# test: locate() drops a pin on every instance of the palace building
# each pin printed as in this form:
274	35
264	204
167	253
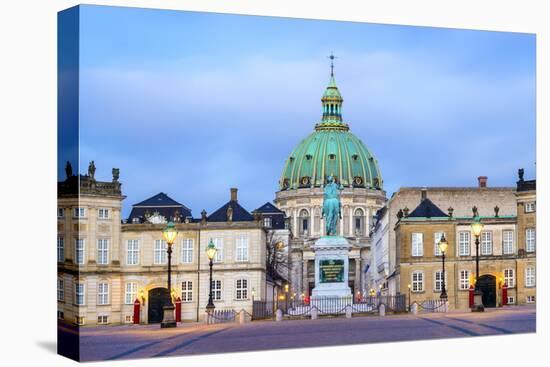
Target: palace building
330	150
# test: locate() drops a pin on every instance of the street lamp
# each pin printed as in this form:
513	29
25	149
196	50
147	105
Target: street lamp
443	248
169	234
409	286
210	253
477	227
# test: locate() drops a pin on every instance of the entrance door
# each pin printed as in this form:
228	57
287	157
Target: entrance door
158	297
488	285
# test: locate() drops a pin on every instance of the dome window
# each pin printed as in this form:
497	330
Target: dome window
308	157
332	156
304	181
355	157
358	181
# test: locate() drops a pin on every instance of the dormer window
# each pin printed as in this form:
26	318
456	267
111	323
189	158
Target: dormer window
308	157
355	157
332	156
135	220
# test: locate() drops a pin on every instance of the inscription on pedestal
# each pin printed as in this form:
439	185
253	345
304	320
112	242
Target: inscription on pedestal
331	271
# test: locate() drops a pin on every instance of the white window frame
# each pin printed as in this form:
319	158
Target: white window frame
80	251
102	319
438	280
79	293
486	243
241	248
102	251
437	238
130	293
464	279
464	243
60	290
160	256
103	293
60	212
241	289
508	242
132	252
417	244
187	251
417	281
509	277
103	213
511	300
187	291
217	294
530	299
530	239
530	276
60	248
79	212
530	207
268	222
218	242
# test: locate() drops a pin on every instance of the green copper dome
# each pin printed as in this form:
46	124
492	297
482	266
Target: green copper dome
331	150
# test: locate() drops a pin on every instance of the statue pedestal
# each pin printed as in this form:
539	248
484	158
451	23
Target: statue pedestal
331	267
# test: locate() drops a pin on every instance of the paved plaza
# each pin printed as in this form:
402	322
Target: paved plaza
128	342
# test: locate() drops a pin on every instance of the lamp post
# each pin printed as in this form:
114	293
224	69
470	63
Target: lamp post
210	253
409	286
477	227
443	248
169	234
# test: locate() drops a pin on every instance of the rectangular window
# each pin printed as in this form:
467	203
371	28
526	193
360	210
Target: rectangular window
160	252
507	242
242	289
103	251
530	299
417	281
530	276
132	255
103	294
464	243
417	244
511	300
438	281
103	213
530	207
509	278
79	294
186	291
486	243
218	242
437	238
530	239
129	319
267	222
464	280
60	249
242	248
79	250
60	315
187	251
217	290
79	212
102	319
79	320
60	212
60	290
131	293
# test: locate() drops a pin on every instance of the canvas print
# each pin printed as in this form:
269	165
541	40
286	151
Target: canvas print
232	183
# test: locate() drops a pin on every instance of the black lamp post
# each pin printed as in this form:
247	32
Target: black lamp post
443	248
409	286
477	227
169	233
210	253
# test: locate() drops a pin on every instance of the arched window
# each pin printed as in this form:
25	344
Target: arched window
359	222
304	222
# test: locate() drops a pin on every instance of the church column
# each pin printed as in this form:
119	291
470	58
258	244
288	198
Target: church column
358	273
367	221
351	231
311	221
295	228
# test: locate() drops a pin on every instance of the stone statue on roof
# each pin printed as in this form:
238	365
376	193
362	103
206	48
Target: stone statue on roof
91	170
69	169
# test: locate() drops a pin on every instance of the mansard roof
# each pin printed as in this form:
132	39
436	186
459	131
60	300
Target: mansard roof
427	209
161	203
269	208
240	214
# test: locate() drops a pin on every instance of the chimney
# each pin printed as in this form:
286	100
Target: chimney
482	181
234	194
423	194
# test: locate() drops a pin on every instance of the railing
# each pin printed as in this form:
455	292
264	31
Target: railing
338	305
262	310
432	305
221	316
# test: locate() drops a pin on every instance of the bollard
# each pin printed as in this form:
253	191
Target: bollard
279	315
242	318
414	308
314	313
382	310
446	307
348	312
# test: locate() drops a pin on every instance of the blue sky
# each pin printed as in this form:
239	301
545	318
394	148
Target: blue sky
192	104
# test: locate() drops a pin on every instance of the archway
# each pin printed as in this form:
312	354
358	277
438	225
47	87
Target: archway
488	285
158	297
